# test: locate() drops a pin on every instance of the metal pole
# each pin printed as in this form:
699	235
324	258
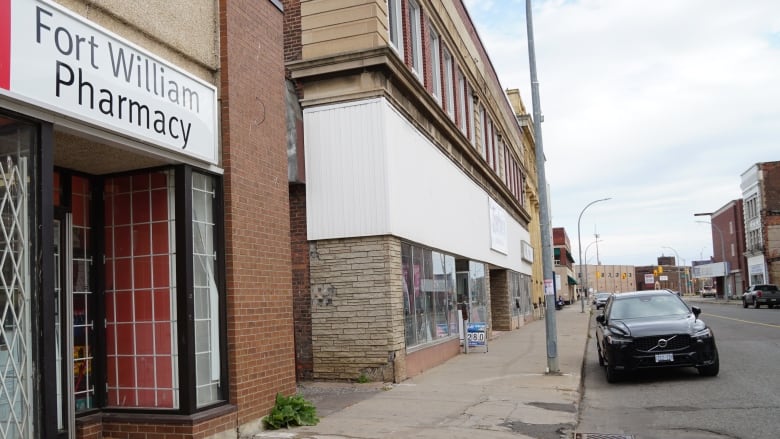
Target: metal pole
579	246
587	281
677	263
544	210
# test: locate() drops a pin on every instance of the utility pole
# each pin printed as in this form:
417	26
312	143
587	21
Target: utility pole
544	208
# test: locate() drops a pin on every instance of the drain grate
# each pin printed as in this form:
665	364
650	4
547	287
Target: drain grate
601	436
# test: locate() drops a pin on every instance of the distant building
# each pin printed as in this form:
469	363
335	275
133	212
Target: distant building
611	278
761	197
565	278
665	274
730	224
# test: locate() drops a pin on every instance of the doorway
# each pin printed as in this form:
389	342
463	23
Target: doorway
74	307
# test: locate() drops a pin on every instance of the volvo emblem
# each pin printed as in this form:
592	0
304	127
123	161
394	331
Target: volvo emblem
662	343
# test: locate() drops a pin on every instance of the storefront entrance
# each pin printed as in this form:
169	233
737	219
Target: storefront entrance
129	283
74	299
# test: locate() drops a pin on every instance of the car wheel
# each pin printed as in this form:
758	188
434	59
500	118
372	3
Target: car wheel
612	374
711	370
744	303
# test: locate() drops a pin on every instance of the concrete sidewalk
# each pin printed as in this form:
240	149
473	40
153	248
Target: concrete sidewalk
504	393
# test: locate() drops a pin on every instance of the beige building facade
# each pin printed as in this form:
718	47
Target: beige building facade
609	278
416	191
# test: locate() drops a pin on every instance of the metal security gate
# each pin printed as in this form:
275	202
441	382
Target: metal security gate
15	332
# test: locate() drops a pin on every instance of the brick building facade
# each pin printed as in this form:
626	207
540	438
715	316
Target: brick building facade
150	245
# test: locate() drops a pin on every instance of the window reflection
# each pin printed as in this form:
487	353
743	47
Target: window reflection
429	295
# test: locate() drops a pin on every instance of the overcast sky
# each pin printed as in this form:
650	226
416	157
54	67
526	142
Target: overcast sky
659	104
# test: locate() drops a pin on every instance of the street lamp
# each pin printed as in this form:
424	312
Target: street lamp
587	281
722	253
579	246
677	263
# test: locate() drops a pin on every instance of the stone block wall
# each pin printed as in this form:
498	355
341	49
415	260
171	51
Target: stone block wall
357	309
500	308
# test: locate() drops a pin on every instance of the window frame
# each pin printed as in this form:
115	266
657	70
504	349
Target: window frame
448	85
434	52
395	26
414	18
462	104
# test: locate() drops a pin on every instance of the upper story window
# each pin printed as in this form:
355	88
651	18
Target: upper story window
435	59
415	37
462	104
470	115
396	27
449	96
488	134
482	139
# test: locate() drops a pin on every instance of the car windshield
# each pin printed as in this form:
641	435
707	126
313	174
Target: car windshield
647	306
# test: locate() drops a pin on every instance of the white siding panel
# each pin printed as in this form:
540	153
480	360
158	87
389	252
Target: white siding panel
370	172
434	203
345	171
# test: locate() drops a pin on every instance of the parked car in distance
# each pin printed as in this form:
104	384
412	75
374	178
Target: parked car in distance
761	294
708	291
653	329
600	299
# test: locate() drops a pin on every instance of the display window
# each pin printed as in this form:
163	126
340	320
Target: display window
429	295
118	242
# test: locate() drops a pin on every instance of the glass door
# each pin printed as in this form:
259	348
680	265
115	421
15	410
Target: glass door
63	320
74	313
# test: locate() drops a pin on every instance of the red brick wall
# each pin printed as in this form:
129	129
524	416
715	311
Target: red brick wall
132	429
771	195
292	30
257	224
559	236
770	216
304	361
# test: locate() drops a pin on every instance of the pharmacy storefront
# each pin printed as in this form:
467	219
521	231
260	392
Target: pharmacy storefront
109	205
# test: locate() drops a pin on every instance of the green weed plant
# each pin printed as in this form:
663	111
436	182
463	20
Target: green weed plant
291	411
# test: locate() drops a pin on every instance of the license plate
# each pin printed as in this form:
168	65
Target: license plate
660	358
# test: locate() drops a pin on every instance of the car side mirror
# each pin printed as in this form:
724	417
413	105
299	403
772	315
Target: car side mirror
600	319
696	311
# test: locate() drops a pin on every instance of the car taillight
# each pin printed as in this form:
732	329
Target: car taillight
758	293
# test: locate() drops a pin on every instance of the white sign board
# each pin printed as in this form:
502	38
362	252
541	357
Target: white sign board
716	269
65	63
498	228
649	279
528	251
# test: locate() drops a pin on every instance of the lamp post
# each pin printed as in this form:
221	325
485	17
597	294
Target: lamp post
579	245
551	327
587	281
677	262
722	253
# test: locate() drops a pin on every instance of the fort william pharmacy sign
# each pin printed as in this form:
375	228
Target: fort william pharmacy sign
57	60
